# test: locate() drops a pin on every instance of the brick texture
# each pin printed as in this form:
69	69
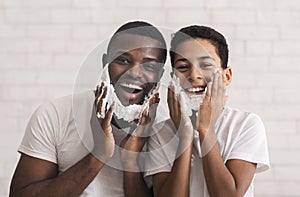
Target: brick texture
43	43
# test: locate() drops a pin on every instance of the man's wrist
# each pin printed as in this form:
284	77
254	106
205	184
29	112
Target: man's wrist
131	165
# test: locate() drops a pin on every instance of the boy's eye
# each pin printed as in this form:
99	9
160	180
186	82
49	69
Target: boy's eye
206	65
182	67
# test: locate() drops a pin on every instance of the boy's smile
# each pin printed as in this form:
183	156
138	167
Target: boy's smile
194	63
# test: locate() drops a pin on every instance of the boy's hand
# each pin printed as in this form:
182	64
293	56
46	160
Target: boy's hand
213	103
180	119
104	141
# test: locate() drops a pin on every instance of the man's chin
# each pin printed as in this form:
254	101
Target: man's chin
129	101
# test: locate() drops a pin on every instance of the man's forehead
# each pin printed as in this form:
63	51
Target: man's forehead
127	42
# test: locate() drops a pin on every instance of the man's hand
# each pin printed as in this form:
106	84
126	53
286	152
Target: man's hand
133	143
104	141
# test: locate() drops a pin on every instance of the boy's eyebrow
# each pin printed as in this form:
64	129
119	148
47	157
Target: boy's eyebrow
199	58
181	60
205	57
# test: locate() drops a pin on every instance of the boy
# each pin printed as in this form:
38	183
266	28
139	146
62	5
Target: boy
217	150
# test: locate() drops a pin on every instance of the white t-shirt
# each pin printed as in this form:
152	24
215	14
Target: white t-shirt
60	132
240	135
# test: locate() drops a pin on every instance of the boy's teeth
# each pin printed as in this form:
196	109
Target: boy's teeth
132	86
195	89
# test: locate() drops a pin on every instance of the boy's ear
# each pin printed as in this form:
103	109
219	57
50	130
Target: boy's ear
228	75
104	59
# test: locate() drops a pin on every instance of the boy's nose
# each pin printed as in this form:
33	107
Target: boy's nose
195	73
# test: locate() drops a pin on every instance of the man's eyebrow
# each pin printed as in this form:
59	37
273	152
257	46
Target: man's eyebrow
120	52
151	59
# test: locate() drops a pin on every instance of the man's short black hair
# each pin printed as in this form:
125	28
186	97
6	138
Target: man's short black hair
143	29
204	32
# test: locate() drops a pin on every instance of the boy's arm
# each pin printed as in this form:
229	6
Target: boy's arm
230	179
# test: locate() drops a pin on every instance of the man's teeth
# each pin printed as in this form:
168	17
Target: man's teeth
132	86
199	89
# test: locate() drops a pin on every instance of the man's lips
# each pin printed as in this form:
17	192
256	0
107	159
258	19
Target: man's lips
131	92
131	88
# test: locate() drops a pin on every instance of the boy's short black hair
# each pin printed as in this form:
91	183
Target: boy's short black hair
204	32
143	29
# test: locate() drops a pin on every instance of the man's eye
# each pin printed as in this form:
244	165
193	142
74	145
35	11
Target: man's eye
150	67
122	60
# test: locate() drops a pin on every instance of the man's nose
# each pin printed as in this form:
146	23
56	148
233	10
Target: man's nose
195	73
136	70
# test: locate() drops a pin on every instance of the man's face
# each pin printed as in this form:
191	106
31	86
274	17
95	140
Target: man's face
135	66
194	63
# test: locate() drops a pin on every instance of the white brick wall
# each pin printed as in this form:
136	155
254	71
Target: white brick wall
42	44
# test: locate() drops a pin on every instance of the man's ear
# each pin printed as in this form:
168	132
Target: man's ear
228	75
104	60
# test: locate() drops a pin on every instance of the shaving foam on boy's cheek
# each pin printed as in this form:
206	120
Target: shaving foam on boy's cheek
190	103
128	113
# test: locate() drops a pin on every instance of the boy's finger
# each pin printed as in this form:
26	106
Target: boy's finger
214	91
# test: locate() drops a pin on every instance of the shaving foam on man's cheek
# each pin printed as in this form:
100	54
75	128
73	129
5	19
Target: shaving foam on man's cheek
128	113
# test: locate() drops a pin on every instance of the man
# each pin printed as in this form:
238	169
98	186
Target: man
56	161
217	149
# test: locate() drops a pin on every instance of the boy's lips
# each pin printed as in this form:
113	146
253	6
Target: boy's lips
195	90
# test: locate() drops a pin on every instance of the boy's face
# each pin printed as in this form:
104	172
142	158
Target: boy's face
194	63
135	66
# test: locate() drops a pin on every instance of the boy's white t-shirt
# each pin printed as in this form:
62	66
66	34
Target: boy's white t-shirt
52	134
241	135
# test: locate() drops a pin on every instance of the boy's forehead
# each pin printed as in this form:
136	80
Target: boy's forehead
127	42
193	48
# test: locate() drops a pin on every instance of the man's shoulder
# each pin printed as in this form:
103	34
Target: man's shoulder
73	99
65	106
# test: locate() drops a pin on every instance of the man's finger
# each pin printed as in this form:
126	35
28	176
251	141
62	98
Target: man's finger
108	117
100	101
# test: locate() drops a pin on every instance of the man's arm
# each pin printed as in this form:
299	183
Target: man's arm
176	182
134	183
131	146
36	177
